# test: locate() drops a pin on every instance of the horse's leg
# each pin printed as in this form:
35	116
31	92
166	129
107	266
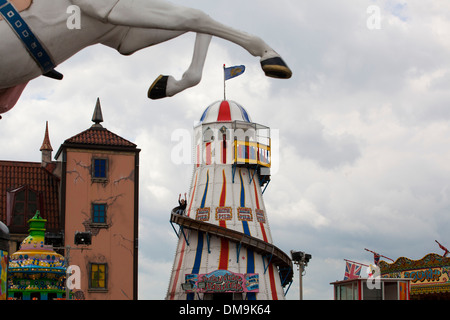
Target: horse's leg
129	40
159	14
167	86
164	86
9	97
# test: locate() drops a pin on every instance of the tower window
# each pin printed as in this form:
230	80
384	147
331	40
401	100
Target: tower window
99	213
99	168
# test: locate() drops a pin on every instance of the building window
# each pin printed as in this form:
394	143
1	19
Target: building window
99	213
99	168
98	278
25	203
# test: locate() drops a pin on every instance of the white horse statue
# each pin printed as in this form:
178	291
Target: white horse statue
126	25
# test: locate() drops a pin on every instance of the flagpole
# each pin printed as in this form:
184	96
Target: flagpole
378	254
365	265
224	85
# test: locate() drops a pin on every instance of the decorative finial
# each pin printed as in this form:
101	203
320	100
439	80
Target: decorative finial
97	117
37	225
37	215
46	145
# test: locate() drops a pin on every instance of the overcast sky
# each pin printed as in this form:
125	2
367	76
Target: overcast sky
363	126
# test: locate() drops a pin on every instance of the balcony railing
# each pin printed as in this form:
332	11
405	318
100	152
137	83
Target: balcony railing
246	152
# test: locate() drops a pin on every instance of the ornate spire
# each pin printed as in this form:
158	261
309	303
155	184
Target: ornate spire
37	225
46	145
97	117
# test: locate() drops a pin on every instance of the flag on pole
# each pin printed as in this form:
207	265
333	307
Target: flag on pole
230	73
352	270
376	258
233	72
443	248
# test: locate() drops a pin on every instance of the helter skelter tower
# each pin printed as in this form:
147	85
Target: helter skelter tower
225	248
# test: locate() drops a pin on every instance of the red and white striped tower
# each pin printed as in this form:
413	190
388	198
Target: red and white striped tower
225	248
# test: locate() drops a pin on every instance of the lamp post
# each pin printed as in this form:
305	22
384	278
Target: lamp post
301	259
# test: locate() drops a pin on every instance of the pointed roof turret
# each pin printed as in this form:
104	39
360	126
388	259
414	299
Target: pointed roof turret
97	136
46	145
97	117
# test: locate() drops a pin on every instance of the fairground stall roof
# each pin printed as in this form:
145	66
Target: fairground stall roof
430	276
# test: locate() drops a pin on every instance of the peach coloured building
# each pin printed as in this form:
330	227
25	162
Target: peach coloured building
99	195
89	195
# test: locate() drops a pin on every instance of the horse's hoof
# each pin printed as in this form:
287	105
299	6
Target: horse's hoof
158	89
276	68
54	74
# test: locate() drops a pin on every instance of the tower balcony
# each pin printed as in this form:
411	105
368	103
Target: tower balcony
252	153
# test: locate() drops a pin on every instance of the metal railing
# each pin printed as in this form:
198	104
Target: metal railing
246	152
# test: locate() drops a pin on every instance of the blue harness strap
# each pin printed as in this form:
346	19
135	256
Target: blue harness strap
23	31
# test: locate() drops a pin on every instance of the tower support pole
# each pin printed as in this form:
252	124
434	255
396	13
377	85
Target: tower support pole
300	268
